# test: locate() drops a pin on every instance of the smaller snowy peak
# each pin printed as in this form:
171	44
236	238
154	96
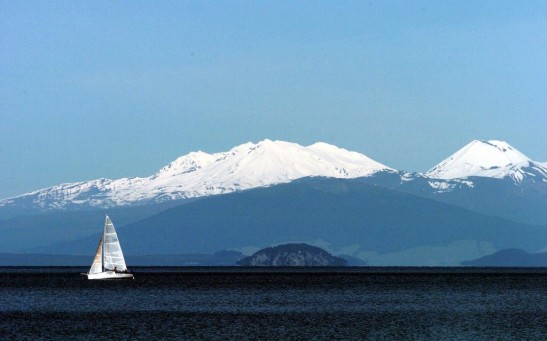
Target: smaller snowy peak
325	148
350	159
492	158
186	164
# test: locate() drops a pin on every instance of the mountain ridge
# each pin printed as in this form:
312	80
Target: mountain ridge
201	174
510	258
487	169
342	216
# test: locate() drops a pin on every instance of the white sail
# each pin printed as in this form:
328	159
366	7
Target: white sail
97	265
112	251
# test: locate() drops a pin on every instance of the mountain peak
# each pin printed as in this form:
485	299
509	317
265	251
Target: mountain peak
480	158
197	174
186	164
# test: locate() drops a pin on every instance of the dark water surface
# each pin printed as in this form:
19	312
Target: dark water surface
280	304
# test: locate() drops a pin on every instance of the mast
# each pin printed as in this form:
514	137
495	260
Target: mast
102	250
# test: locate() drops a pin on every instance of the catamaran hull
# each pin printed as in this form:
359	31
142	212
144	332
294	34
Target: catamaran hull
110	275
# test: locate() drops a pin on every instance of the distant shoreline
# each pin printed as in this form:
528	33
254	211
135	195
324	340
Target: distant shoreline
312	270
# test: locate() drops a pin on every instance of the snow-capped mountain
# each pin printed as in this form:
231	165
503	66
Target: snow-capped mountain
199	174
490	159
487	176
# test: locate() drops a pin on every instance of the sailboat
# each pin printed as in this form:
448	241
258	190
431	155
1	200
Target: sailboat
109	262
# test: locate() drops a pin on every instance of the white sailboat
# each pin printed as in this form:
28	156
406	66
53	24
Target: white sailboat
109	262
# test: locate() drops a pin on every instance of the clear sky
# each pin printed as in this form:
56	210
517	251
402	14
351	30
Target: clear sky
92	89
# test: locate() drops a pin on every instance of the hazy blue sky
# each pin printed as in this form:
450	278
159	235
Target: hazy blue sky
120	88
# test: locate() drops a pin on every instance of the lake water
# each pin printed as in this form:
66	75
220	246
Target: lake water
279	304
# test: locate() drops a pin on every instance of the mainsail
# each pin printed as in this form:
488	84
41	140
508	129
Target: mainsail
109	262
97	265
112	251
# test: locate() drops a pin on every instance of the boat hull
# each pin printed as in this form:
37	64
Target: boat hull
110	275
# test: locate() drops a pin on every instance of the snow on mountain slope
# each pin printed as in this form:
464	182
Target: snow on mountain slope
492	159
201	174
